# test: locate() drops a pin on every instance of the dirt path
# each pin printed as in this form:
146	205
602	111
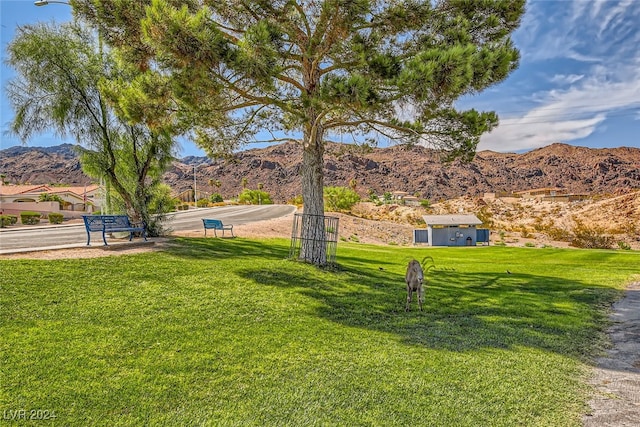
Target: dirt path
617	376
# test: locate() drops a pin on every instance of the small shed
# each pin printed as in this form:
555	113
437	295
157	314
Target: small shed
451	230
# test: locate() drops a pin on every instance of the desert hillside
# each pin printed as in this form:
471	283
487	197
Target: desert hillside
416	170
608	179
513	222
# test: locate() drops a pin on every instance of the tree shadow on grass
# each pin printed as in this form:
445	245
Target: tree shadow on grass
211	248
462	311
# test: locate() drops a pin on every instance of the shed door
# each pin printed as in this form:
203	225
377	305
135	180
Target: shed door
420	236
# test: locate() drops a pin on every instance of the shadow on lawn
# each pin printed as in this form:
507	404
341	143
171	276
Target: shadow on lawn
210	248
461	311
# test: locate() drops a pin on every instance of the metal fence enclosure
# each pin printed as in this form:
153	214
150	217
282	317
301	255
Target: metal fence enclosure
314	238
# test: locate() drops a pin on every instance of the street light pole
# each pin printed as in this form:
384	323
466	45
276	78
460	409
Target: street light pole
195	189
46	2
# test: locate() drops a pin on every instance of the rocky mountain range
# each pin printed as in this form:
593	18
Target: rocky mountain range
416	170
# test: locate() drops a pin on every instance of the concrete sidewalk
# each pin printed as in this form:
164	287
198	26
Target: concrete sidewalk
113	246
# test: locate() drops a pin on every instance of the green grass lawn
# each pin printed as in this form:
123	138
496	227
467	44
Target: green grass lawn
229	332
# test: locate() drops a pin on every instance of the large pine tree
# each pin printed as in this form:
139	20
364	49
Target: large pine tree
315	67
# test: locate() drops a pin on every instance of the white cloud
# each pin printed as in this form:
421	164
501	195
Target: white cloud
569	114
603	38
614	16
524	134
566	78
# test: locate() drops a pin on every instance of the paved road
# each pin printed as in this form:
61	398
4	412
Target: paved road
47	236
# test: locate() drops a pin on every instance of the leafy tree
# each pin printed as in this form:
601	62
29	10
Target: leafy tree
390	69
66	83
161	199
340	198
216	198
46	197
255	197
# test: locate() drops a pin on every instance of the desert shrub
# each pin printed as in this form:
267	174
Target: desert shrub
624	246
202	203
55	218
425	203
530	245
590	237
524	232
6	220
539	224
254	197
557	233
485	215
297	200
30	218
338	199
216	198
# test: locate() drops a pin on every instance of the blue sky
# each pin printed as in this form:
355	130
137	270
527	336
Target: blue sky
578	80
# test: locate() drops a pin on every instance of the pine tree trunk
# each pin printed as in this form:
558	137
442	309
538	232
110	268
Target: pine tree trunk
313	239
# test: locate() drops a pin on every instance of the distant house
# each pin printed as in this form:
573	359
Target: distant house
397	196
17	198
451	230
404	198
186	196
551	194
539	192
411	201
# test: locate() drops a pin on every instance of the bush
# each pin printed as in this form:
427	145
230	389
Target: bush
558	234
624	246
297	200
161	200
6	220
524	232
590	237
425	203
486	216
254	197
30	218
202	203
55	218
338	199
216	198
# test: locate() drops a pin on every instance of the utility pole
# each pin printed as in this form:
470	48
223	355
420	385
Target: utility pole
195	188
